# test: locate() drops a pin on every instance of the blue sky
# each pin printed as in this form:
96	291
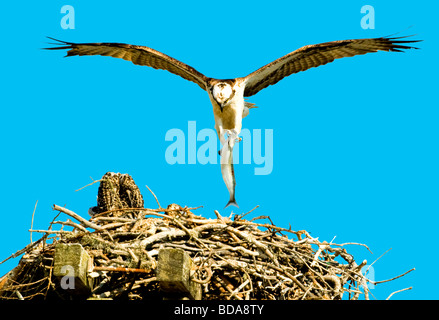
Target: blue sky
355	142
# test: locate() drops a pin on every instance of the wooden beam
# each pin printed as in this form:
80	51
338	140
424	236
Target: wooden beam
173	273
71	263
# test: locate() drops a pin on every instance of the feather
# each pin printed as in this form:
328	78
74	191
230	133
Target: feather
312	56
139	55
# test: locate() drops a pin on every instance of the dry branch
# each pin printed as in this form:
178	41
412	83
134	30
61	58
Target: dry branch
83	221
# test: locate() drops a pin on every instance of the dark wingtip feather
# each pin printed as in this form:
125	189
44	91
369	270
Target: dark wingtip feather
398	44
61	44
399	32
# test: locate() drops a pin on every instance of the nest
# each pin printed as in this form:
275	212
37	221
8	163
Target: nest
231	258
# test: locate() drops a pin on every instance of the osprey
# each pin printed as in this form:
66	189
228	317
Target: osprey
227	95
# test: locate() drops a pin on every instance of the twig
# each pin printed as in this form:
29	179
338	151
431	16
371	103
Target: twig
32	222
207	280
401	275
365	288
322	247
352	243
239	217
78	217
409	288
18	294
268	226
118	269
236	291
162	235
153	194
51	231
25	249
71	224
94	181
378	259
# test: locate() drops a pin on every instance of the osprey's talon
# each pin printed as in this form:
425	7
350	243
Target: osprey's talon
234	134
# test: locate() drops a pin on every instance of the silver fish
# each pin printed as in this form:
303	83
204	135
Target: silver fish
227	170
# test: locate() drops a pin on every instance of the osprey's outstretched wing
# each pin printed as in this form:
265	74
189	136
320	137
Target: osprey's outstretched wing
316	55
139	55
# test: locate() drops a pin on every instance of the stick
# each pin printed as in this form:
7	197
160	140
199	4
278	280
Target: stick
239	217
25	249
401	275
322	247
120	269
71	224
18	294
378	259
162	235
94	181
51	231
354	243
410	288
268	226
236	291
32	222
156	200
78	217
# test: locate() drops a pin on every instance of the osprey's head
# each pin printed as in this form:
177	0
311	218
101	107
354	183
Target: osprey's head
222	92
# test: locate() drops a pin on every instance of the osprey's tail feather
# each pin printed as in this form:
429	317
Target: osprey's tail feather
250	105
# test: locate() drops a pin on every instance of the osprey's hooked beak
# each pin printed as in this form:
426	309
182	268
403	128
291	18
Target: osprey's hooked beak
223	104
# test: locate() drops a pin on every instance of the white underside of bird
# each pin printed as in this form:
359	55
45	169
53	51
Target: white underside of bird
229	107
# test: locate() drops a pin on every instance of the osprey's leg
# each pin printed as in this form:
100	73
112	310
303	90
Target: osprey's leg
238	125
220	131
235	131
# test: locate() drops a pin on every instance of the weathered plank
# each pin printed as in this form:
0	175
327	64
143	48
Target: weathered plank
71	263
173	273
